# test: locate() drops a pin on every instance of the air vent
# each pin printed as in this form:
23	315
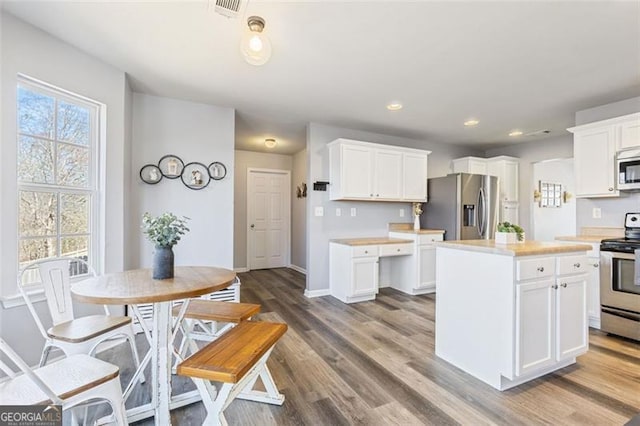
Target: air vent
538	133
228	8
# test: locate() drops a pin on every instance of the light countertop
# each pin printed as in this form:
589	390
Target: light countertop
528	248
419	231
367	241
585	238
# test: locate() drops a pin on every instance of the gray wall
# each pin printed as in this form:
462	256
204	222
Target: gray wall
529	153
244	161
372	217
193	132
612	209
26	49
299	212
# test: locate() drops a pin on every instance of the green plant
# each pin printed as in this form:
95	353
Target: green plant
164	230
511	228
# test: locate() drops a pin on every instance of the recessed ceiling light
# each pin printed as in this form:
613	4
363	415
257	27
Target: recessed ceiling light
394	106
516	133
270	143
471	122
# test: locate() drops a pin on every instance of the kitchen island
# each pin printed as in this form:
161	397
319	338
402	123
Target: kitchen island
508	313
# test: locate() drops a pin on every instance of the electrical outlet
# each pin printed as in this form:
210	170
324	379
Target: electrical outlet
401	212
353	212
597	213
319	211
338	211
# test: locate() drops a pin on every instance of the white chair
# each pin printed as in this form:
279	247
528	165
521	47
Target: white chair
68	382
71	335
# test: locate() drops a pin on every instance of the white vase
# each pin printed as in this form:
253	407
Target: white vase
416	222
506	238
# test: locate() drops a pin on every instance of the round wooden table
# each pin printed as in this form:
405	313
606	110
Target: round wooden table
137	286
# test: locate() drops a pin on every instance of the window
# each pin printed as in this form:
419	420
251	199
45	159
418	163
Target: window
57	175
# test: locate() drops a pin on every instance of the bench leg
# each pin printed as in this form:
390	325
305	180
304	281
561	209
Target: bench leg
215	403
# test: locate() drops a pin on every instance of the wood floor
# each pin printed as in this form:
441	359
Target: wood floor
373	363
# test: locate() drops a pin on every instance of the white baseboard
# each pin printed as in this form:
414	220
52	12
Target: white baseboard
298	269
243	269
317	293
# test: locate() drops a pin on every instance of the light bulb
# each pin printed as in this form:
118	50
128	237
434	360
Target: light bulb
255	45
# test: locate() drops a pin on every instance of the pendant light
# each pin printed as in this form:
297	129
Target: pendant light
255	45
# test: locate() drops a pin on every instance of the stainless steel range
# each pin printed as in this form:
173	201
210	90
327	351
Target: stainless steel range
619	294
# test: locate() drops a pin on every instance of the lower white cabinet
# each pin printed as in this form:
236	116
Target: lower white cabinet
353	272
416	274
551	322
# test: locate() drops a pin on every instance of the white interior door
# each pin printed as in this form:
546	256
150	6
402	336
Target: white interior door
268	218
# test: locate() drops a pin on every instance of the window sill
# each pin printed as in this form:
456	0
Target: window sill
16	300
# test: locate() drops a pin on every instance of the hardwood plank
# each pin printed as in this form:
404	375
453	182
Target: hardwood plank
373	363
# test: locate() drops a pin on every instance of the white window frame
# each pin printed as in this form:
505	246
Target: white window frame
96	172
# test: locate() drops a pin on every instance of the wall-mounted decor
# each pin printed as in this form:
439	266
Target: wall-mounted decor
194	175
550	194
302	190
320	185
151	174
171	166
217	170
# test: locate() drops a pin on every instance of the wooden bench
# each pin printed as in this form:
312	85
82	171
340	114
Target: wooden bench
208	315
236	359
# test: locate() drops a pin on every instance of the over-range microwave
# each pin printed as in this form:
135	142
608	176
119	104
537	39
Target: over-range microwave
628	168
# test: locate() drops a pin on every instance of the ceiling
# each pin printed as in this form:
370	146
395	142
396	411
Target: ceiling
525	65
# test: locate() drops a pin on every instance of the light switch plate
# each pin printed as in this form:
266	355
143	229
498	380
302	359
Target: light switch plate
597	213
353	212
401	212
338	211
319	211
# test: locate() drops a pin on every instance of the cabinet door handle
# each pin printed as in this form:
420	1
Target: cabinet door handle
371	195
595	265
576	265
366	252
540	268
555	286
564	285
610	189
398	250
377	195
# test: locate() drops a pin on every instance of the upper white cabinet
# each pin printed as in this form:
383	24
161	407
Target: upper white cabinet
594	149
367	171
474	165
506	169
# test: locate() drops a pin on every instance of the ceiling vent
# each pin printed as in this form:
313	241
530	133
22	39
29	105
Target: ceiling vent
538	133
228	8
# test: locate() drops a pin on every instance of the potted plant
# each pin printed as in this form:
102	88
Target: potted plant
509	233
164	232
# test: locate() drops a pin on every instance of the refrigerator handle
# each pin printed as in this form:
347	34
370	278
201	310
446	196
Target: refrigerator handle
482	207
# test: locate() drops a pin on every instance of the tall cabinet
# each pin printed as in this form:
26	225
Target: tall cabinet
594	150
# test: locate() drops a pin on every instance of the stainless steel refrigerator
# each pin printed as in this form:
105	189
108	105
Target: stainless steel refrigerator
464	205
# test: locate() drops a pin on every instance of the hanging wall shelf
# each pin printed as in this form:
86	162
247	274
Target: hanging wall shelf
194	175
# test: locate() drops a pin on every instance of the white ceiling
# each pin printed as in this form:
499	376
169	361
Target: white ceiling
525	65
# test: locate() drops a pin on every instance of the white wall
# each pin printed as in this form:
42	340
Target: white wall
193	132
372	217
244	161
613	209
299	212
551	222
529	153
28	50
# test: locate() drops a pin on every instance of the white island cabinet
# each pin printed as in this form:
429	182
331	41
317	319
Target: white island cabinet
507	314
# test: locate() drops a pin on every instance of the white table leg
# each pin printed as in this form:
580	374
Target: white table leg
161	362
